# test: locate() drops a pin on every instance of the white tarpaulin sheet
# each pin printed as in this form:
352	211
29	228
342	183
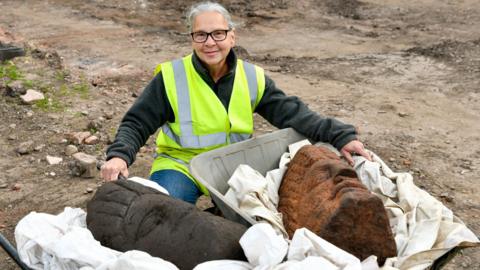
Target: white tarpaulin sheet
63	242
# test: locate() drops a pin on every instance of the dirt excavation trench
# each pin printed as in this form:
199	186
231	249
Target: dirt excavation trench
407	73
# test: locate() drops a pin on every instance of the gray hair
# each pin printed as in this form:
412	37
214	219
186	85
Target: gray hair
207	6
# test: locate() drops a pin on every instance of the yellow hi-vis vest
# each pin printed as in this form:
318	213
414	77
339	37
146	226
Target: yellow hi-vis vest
201	121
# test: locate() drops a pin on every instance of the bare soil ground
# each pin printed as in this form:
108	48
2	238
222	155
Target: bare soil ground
407	73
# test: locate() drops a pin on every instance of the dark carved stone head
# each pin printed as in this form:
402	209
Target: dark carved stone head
125	215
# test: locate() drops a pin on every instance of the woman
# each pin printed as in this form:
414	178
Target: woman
206	100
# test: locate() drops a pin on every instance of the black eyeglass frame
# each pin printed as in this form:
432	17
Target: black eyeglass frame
211	35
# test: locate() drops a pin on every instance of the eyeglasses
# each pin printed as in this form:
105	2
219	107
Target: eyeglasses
217	35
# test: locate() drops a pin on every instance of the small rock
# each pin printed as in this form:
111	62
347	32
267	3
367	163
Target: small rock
53	160
109	139
3	185
391	159
447	197
29	114
108	115
12	137
91	140
84	113
16	187
54	116
89	190
25	147
39	148
110	102
12	126
53	174
78	137
402	114
31	96
15	88
85	165
407	162
70	150
94	124
63	141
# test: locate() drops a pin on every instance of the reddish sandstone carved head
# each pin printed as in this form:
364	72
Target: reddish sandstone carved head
322	192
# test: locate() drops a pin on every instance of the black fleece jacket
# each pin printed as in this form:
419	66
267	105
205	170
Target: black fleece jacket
152	109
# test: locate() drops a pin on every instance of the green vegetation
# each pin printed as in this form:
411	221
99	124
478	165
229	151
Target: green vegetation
28	84
51	104
9	71
62	75
82	89
54	89
63	90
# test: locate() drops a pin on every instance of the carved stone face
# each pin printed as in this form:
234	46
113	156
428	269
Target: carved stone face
335	183
323	193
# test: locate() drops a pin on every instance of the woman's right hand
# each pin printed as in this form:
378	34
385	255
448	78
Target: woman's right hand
111	169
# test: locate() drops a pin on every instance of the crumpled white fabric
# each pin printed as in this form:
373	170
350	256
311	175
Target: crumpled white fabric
63	242
306	244
223	265
270	252
423	227
249	190
265	250
138	260
149	183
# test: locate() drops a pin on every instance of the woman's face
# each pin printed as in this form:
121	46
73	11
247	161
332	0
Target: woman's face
212	53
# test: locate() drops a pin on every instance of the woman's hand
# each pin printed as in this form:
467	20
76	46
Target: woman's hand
354	147
111	169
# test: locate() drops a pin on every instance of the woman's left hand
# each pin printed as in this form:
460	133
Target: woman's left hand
354	147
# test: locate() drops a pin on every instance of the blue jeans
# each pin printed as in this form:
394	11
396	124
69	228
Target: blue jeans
177	184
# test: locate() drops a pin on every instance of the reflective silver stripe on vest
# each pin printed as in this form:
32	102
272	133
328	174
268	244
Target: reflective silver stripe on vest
172	158
238	137
193	141
183	96
168	131
252	81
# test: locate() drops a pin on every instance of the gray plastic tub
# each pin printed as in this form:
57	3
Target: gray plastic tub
213	169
